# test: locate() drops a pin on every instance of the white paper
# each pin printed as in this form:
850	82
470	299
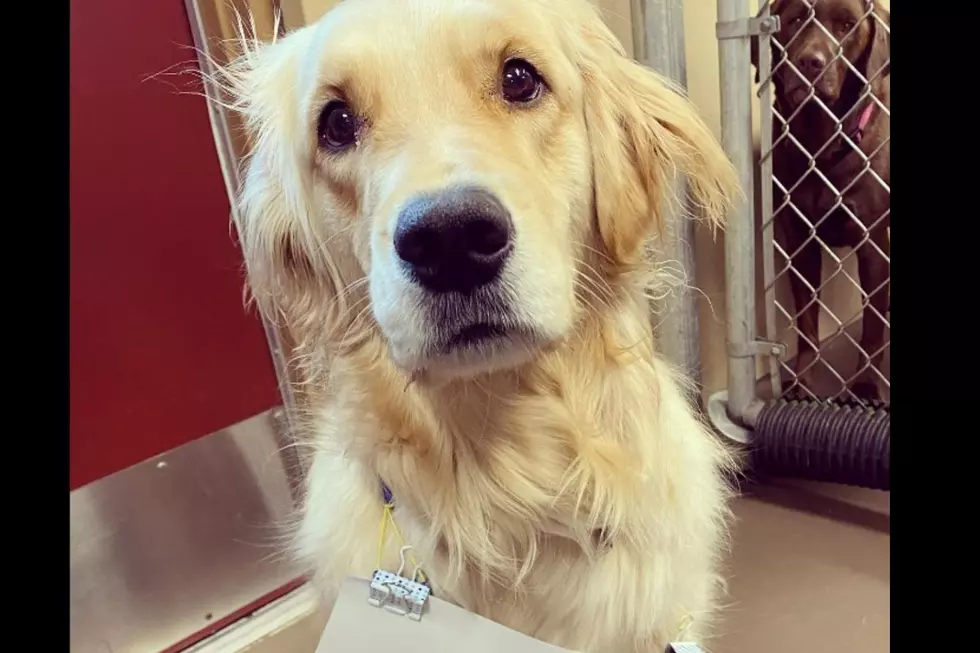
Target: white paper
358	627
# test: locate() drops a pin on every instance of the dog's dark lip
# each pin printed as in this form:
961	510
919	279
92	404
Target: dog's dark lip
475	334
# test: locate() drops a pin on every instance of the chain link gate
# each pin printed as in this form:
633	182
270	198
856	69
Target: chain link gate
818	406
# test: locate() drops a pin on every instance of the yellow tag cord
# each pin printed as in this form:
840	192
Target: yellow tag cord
386	517
684	624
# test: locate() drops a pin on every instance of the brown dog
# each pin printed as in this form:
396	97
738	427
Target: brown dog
831	62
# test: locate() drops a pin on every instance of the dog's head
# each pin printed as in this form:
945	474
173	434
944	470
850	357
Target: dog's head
457	173
823	42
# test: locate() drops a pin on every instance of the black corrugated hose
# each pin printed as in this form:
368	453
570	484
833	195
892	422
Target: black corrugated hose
824	441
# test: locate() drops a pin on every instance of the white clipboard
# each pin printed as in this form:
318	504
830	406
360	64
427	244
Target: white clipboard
358	627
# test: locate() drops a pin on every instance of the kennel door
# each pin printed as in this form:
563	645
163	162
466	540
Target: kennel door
162	349
175	476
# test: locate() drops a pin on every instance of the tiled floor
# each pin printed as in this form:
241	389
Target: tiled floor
809	574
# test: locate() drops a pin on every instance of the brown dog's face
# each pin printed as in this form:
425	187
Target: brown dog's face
823	41
444	164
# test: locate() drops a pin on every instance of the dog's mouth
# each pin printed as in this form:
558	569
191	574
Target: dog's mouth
485	339
457	336
799	90
475	335
478	348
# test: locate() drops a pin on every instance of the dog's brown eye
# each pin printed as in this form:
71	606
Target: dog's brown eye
337	128
521	82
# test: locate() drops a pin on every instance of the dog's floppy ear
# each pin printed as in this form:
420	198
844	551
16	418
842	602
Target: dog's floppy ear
877	58
642	131
289	275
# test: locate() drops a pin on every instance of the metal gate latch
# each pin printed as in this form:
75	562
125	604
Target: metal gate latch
747	27
756	348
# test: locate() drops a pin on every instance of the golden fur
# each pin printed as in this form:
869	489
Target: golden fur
562	487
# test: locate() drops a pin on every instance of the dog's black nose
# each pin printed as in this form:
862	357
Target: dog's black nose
457	240
812	64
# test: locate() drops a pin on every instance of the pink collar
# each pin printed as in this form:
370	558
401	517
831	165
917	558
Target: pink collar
843	149
863	121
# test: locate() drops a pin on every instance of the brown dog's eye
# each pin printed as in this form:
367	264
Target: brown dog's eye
521	83
337	128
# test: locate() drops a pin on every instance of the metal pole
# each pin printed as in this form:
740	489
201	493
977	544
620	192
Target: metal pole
658	41
765	198
230	171
736	136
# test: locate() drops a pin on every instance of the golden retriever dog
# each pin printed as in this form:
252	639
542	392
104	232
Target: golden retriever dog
447	202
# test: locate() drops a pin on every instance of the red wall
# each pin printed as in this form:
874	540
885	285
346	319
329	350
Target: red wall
162	350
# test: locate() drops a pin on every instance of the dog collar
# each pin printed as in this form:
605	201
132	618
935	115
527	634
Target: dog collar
856	135
386	495
863	122
388	500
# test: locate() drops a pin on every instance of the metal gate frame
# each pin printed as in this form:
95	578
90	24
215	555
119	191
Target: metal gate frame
738	406
735	411
231	171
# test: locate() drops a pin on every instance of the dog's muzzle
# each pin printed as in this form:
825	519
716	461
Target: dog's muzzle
456	240
454	245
